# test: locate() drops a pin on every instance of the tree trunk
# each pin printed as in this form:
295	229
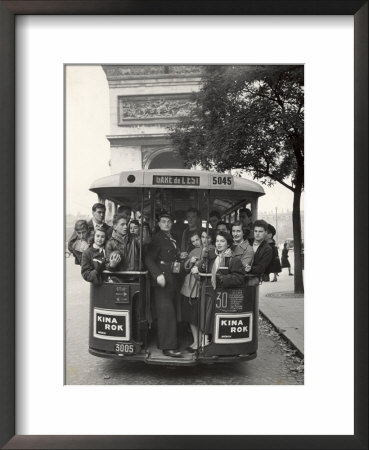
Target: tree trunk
296	221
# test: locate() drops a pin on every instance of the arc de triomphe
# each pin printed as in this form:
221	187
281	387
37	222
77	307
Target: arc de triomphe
144	102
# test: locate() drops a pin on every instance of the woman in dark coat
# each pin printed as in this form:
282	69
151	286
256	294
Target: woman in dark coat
93	259
285	262
275	264
227	272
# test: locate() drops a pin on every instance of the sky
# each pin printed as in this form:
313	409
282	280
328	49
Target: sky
88	150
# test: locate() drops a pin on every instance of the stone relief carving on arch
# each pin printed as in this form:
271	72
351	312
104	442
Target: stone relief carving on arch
153	108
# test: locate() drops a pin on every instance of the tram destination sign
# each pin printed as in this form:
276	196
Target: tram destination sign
235	328
165	180
111	324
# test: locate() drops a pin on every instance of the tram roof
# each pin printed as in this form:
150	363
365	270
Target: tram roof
176	179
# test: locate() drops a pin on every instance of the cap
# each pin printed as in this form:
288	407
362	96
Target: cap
165	214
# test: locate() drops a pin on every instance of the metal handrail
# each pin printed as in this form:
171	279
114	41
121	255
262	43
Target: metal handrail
131	272
209	275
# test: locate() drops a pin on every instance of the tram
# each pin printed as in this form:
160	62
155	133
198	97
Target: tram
122	322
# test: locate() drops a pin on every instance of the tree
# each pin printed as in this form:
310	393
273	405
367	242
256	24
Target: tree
250	118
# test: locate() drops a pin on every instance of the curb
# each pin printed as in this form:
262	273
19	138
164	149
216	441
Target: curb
298	351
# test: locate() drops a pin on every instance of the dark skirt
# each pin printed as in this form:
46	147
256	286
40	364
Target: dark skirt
190	310
285	262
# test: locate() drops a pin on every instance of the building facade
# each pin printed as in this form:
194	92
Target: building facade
145	101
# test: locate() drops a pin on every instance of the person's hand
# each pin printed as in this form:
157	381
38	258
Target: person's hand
100	265
114	260
193	260
219	277
183	255
248	268
94	277
195	269
161	280
228	253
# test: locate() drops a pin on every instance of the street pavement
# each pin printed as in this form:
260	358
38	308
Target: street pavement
283	308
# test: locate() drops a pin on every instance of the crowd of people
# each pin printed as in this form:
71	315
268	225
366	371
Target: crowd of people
175	253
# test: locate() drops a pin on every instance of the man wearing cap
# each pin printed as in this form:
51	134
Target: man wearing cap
161	260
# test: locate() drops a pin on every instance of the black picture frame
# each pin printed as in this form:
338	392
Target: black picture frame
8	12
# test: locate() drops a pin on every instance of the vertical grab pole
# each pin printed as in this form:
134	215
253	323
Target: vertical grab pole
153	207
141	227
208	212
141	299
202	290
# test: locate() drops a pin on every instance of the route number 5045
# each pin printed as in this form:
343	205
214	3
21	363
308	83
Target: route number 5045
222	181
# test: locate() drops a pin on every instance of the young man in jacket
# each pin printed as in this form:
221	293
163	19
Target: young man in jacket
262	250
123	244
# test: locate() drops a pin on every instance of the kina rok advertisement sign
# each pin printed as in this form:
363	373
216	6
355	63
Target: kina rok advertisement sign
111	324
235	328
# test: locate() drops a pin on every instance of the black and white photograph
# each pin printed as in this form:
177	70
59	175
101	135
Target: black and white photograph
154	269
184	224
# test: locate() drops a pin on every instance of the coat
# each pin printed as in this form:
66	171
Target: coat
129	250
275	264
235	275
92	265
285	261
190	286
77	248
161	252
262	259
244	252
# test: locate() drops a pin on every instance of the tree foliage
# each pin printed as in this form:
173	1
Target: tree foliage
248	118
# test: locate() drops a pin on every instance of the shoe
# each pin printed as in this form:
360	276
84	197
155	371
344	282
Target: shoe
190	349
273	281
290	274
172	353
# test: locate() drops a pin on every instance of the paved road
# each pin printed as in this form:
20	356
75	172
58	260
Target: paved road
276	362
